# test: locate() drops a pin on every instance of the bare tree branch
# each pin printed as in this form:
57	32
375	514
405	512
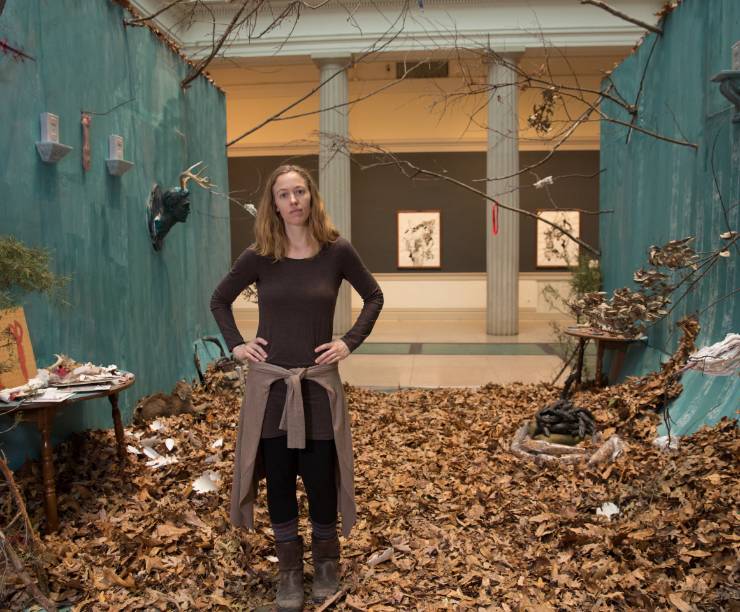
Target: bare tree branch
373	50
201	65
31	586
344	144
18	500
621	15
640	89
637	128
141	21
354	100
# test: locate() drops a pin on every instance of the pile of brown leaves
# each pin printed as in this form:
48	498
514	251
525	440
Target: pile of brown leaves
448	517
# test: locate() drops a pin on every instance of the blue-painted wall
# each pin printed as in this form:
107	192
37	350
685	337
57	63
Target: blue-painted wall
661	191
128	305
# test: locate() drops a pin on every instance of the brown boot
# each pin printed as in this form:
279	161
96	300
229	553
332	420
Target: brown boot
325	568
290	576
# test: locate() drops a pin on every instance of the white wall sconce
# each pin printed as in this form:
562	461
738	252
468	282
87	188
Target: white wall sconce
49	148
117	166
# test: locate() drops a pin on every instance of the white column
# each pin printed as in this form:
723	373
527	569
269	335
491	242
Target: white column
502	160
334	168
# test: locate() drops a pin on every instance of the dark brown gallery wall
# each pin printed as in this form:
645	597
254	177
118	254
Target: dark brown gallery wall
379	192
247	176
576	185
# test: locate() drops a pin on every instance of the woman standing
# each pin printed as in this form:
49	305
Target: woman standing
294	419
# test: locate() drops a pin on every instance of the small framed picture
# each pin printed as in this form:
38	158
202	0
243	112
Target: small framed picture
554	248
419	239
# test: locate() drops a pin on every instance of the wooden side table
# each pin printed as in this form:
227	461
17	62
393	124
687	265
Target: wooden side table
604	341
42	414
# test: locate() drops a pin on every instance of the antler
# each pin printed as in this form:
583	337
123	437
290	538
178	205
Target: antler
201	180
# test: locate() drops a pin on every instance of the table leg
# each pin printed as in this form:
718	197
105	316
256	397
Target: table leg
44	421
579	365
118	426
620	351
599	362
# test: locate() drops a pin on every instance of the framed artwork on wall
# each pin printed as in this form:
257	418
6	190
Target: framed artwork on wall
419	238
555	249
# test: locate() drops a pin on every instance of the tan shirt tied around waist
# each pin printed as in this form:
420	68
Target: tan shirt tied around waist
248	469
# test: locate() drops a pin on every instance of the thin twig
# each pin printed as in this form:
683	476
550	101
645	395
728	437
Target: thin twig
18	500
401	163
117	106
640	90
310	93
202	64
31	586
16	53
141	21
647	132
621	15
724	297
719	191
566	363
354	100
332	600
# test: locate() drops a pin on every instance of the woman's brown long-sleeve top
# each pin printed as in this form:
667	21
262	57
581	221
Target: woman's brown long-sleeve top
296	305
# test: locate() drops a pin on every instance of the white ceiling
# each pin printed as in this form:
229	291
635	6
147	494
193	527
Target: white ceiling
344	27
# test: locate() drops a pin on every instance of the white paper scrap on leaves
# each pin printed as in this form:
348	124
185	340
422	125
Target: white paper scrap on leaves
272	558
666	442
161	461
213	458
207	482
151	453
156	460
169	443
380	557
156	426
218	443
608	509
133	450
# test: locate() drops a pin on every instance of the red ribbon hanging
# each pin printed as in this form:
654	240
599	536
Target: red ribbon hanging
16	331
494	219
86	121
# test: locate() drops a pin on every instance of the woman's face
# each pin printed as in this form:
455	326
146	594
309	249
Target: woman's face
292	198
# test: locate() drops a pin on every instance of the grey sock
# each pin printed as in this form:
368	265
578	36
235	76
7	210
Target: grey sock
324	532
287	531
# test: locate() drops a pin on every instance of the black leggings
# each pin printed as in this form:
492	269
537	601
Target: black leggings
315	464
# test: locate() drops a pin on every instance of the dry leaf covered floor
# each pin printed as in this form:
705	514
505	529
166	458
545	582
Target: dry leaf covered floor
448	518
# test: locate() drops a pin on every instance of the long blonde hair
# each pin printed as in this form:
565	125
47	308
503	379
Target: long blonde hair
269	229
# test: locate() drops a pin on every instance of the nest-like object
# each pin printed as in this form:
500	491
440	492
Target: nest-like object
556	430
562	422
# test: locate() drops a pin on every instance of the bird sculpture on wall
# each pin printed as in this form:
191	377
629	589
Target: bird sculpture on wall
172	206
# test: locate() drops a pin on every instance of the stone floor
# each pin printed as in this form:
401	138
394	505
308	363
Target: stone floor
446	353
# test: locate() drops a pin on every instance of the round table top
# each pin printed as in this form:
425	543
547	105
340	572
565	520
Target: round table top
76	397
592	333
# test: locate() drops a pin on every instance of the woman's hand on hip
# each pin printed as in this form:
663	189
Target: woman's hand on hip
251	351
334	351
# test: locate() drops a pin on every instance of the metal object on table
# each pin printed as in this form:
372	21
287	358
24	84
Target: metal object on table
604	340
42	415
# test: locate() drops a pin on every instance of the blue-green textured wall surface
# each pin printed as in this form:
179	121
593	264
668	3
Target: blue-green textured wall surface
129	305
660	191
